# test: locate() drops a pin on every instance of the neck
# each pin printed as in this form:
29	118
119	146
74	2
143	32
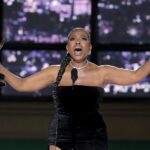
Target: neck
79	66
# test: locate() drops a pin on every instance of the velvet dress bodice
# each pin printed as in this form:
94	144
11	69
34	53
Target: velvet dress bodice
79	99
77	117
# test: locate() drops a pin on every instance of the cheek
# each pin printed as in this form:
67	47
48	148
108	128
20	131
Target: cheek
87	46
69	45
69	49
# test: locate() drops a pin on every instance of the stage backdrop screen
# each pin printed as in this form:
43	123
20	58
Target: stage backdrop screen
128	60
43	21
25	63
123	21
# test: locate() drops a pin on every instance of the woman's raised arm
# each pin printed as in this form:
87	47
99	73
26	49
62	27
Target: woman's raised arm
32	83
120	76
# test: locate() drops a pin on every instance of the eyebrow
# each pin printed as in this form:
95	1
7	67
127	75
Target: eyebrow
82	35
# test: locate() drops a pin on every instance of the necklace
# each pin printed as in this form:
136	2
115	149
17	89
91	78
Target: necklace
79	68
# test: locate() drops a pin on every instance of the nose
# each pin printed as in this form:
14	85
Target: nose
77	41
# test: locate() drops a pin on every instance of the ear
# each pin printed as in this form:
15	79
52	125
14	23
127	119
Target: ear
67	48
90	50
90	47
89	53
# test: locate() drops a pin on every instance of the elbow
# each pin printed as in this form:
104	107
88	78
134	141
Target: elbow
138	77
27	86
21	87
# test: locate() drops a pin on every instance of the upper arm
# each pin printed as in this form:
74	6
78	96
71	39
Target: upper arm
114	75
40	79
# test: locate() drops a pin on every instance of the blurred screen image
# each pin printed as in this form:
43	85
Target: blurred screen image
47	21
128	60
123	21
25	63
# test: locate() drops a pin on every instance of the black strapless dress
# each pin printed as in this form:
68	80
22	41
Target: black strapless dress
77	123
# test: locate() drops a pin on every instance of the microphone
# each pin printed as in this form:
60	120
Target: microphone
74	75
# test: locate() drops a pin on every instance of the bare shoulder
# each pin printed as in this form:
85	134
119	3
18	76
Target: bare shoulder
53	68
99	72
100	69
106	68
51	71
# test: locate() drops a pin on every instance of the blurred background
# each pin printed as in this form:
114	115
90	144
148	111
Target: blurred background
35	34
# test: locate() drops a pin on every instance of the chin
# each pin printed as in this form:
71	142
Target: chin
79	58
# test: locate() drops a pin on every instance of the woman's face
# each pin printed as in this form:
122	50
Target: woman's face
78	45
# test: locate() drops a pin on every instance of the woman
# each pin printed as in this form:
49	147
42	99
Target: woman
77	124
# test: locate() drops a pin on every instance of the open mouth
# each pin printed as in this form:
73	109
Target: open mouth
78	49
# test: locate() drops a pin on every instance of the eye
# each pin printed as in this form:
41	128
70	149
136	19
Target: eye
84	38
71	39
